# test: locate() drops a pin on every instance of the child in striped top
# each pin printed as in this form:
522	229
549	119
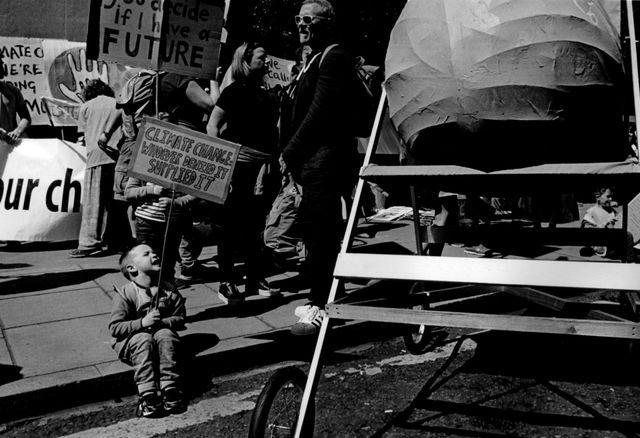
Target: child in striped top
153	209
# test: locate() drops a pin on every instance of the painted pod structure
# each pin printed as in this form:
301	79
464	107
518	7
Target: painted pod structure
495	84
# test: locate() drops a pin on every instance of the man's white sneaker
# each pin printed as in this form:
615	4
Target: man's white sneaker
300	311
310	320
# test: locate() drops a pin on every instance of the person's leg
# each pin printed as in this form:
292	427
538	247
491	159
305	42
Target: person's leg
321	220
233	234
125	222
140	352
109	236
170	256
258	264
93	214
226	243
190	248
169	355
146	233
121	234
169	358
152	233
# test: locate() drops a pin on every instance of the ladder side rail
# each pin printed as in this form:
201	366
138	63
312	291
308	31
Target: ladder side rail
314	370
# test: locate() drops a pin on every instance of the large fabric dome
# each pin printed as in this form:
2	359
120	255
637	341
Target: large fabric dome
465	71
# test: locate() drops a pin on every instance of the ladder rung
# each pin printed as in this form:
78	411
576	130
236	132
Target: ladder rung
515	272
468	180
516	323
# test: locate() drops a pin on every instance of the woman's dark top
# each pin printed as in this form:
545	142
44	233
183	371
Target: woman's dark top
251	116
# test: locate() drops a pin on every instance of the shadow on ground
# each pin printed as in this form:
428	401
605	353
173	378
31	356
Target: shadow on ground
13	265
38	246
512	377
9	373
244	309
32	283
287	347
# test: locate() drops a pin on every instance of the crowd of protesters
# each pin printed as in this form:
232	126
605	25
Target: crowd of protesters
303	133
148	311
121	211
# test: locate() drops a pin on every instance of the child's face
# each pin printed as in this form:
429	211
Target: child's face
604	199
143	259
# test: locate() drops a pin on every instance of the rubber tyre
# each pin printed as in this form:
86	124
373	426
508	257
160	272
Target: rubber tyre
269	407
419	339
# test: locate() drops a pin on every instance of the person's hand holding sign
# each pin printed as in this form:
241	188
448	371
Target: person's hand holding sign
164	196
161	191
151	318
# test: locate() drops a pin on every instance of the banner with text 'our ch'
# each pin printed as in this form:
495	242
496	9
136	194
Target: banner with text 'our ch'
41	183
175	36
184	160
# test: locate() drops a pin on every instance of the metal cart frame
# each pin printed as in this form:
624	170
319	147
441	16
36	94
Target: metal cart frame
518	277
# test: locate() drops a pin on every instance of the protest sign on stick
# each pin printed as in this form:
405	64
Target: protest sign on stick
279	72
184	160
179	37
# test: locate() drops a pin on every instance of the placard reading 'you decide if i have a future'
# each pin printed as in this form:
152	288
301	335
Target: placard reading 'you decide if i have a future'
174	36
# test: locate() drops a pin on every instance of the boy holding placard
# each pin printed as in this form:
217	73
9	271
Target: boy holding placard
143	324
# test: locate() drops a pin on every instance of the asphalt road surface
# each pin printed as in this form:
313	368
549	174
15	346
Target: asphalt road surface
490	385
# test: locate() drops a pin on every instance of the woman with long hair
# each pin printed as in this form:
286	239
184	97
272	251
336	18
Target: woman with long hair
245	114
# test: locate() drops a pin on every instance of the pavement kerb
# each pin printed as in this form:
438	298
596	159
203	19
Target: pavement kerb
78	387
83	385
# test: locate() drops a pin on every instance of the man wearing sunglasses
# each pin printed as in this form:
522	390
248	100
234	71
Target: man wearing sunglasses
321	155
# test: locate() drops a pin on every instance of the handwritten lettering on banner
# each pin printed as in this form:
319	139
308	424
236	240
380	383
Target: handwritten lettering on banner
279	72
56	70
61	112
24	67
185	160
175	36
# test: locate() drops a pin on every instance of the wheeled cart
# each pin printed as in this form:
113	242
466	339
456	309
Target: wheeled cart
535	281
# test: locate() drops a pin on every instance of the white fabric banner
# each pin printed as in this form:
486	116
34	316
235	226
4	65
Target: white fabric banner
41	190
55	69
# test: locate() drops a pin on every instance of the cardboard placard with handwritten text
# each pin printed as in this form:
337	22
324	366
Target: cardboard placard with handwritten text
175	36
184	160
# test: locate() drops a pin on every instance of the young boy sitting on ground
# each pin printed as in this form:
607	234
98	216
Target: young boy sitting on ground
143	325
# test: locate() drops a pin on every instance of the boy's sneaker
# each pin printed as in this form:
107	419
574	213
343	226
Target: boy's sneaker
262	287
173	401
149	406
310	319
229	293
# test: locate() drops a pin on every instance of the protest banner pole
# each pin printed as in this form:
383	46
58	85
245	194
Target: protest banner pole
157	72
635	77
164	242
46	108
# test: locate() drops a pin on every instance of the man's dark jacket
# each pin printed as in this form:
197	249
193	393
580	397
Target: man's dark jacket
323	143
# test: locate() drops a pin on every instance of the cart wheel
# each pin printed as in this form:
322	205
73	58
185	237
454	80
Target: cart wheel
418	339
276	411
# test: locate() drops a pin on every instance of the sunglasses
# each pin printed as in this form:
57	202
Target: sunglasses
307	19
